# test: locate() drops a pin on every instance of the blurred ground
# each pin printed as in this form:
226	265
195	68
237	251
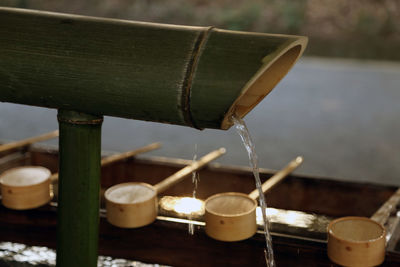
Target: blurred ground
341	115
357	29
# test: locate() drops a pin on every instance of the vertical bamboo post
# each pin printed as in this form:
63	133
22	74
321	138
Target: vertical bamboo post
79	185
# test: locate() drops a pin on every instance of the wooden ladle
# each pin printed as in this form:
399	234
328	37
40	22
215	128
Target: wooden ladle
132	205
360	241
356	241
25	187
28	187
232	216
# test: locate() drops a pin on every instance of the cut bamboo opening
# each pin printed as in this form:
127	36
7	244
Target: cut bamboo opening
263	82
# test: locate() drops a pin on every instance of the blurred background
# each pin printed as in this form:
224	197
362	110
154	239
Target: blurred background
338	106
356	29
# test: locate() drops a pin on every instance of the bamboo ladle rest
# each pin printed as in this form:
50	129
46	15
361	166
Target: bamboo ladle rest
134	204
29	187
232	216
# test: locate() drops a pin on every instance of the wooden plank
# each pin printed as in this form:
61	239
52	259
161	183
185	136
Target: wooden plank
295	193
38	227
168	242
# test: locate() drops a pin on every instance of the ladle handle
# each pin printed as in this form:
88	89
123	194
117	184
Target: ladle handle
114	158
117	157
278	177
195	165
382	214
28	141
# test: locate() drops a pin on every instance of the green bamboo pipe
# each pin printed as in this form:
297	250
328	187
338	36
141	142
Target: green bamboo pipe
193	76
79	187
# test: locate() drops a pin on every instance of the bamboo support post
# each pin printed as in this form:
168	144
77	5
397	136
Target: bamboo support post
79	185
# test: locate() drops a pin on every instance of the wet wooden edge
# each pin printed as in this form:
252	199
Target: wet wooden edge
167	239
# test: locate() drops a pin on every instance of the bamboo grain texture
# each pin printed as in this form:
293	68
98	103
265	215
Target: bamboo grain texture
155	72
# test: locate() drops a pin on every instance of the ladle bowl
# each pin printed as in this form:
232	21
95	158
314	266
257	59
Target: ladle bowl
132	205
356	241
25	187
28	141
29	187
231	216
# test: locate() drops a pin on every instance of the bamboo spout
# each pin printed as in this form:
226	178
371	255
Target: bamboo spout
193	76
274	68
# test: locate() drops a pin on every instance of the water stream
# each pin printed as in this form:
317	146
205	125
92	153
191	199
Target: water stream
242	130
195	179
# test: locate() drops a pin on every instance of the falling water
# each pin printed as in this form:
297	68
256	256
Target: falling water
249	145
195	179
